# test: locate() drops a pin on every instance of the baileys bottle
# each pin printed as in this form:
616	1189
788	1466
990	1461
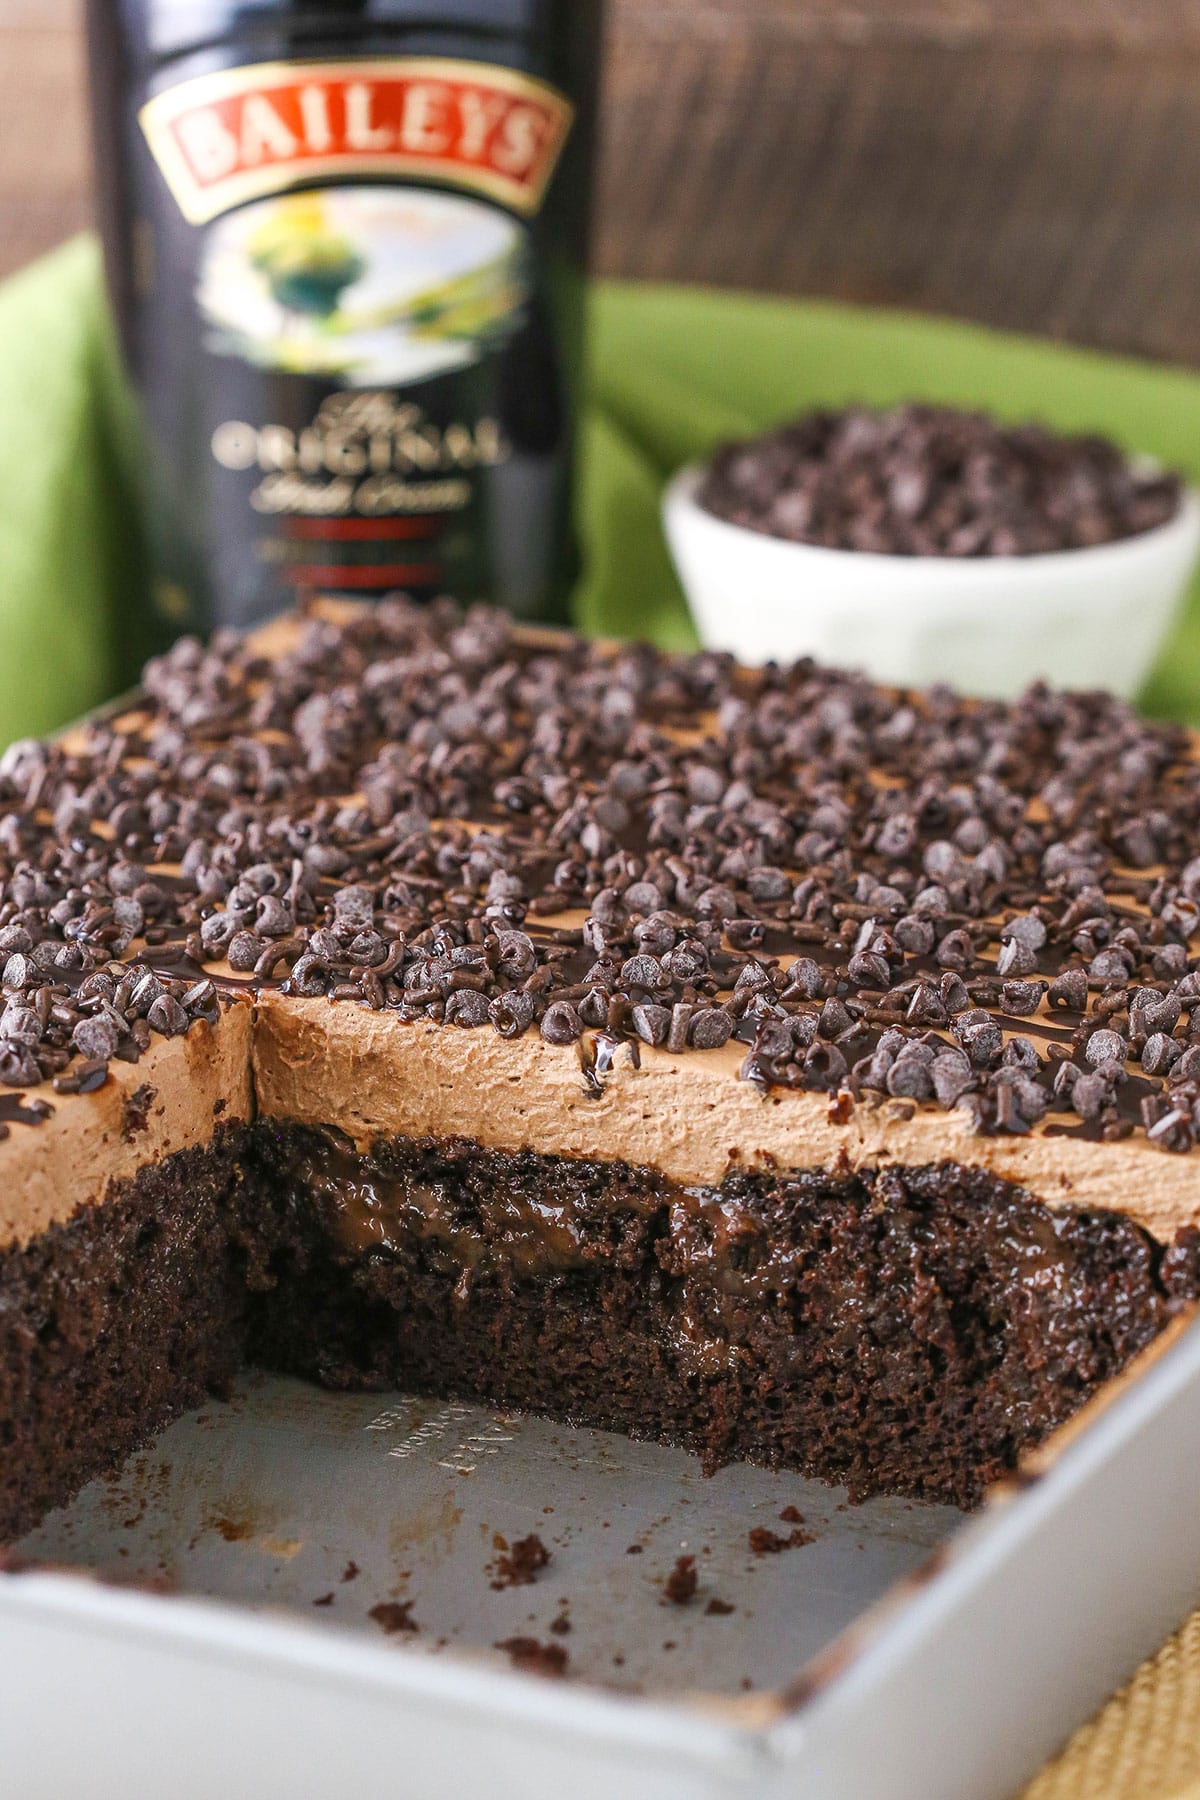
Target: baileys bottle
344	245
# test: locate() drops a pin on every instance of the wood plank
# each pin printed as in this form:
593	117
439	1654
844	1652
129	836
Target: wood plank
1046	186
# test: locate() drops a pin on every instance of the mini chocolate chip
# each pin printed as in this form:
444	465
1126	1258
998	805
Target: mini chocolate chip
652	1023
767	884
717	903
366	949
19	971
216	933
511	1014
95	1038
1020	998
1007	1114
516	954
1024	929
1104	1047
1151	1012
1089	1095
982	1043
503	885
1175	1130
868	970
272	918
824	1067
643	972
1014	958
951	1076
914	935
1159	1052
244	951
956	950
167	1016
18	1066
643	897
926	1006
834	1019
561	1023
710	1028
309	977
20	1024
1069	990
593	1007
681	1018
804	978
467	1007
129	914
144	992
1065	1077
1168	961
355	903
1030	1097
686	962
910	1077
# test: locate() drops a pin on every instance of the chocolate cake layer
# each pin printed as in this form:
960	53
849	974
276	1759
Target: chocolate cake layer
117	1320
910	1330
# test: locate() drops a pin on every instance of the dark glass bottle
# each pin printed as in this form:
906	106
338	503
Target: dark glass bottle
345	245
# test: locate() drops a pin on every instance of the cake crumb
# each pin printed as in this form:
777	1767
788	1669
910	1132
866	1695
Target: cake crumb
718	1609
136	1111
350	1570
765	1542
532	1658
560	1626
324	1599
519	1566
791	1515
394	1615
680	1586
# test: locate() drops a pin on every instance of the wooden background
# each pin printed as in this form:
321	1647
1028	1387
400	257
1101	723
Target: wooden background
1033	163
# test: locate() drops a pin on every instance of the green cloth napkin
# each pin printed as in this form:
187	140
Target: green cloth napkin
673	371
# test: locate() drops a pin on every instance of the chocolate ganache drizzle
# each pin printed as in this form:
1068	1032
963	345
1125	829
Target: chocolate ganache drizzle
951	903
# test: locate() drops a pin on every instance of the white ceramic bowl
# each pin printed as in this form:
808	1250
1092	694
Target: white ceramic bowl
1091	618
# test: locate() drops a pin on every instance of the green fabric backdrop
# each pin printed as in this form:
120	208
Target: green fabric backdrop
673	371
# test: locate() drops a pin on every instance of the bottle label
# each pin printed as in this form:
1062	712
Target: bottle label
236	135
374	388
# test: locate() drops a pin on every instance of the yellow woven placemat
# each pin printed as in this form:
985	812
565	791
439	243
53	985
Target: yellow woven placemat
1145	1744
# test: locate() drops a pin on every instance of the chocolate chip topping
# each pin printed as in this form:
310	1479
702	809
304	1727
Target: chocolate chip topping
903	900
932	481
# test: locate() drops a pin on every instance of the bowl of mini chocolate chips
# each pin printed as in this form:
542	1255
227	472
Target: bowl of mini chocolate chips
926	544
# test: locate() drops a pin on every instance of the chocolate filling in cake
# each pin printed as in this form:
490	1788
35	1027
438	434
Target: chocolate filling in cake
759	1061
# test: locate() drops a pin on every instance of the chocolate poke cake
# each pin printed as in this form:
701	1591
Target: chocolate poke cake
761	1061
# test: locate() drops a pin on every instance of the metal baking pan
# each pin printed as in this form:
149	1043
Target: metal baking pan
187	1627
